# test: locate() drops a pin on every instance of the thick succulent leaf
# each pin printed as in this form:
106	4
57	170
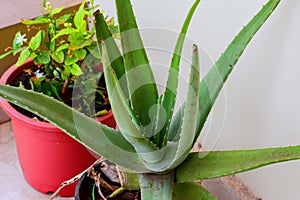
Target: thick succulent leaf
141	83
95	136
104	36
122	113
157	186
213	82
172	82
191	191
176	152
131	180
204	165
189	120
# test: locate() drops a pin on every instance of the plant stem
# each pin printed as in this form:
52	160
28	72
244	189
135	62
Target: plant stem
157	186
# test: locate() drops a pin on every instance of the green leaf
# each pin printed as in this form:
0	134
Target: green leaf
75	69
37	40
189	121
24	55
175	152
79	21
80	54
122	113
33	55
191	191
63	19
54	91
131	180
43	57
213	82
141	82
56	11
65	31
62	47
42	20
94	50
157	186
114	55
58	56
172	82
78	41
104	140
15	52
6	54
70	60
44	3
204	165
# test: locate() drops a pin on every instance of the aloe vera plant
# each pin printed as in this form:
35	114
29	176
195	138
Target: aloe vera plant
157	155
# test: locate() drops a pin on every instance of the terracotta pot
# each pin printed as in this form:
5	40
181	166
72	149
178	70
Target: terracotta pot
47	155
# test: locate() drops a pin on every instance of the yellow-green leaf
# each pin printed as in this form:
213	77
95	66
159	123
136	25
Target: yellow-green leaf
75	69
58	56
37	40
24	55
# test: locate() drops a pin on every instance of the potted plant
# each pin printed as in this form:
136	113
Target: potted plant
55	62
156	158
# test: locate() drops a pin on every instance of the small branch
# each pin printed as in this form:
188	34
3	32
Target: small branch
74	179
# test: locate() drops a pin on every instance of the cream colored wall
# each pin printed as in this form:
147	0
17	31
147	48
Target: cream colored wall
261	97
12	11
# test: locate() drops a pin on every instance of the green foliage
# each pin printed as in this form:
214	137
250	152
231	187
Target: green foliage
61	49
167	168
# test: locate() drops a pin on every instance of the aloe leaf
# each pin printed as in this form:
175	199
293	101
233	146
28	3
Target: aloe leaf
122	113
172	83
191	191
104	35
141	83
204	165
115	58
213	82
103	140
131	180
157	186
189	120
175	152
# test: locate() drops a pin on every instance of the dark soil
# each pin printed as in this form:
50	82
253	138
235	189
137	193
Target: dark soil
85	185
27	74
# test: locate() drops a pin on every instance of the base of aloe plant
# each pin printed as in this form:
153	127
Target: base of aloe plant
86	186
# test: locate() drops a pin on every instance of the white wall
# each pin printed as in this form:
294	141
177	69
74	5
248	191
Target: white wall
261	97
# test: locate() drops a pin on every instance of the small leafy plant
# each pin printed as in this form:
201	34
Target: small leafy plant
157	154
59	52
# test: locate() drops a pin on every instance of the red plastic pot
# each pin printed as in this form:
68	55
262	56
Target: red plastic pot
47	155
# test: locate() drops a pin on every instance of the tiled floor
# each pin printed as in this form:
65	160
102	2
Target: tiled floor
12	183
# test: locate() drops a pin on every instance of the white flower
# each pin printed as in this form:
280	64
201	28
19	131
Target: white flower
38	74
21	38
48	7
